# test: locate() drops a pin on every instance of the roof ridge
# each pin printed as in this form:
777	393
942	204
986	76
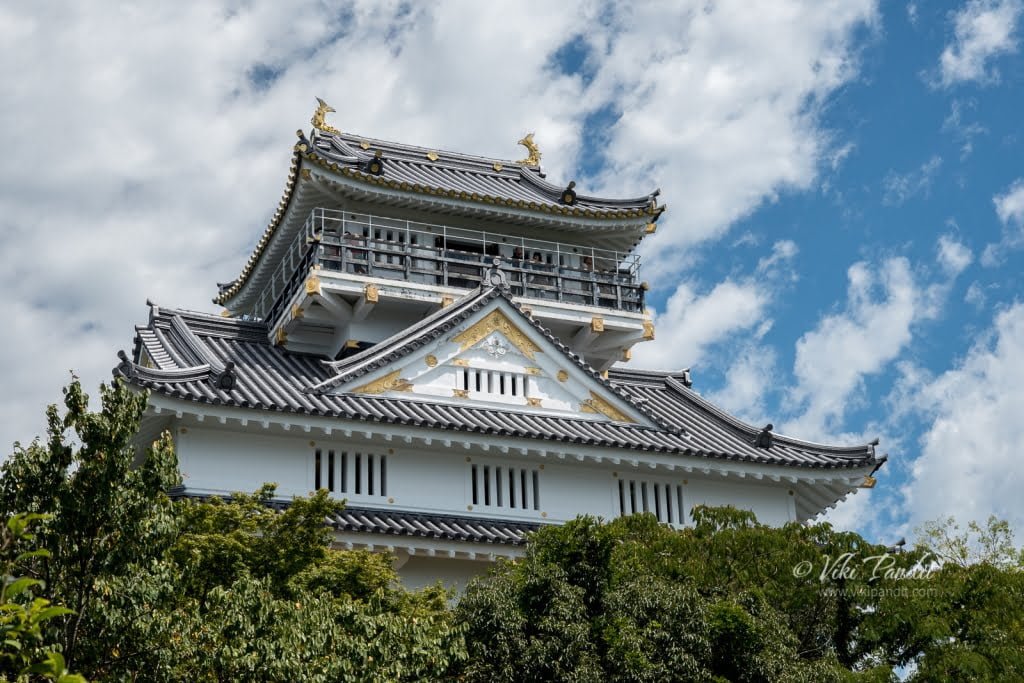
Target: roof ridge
210	323
455	310
196	345
751	430
482	160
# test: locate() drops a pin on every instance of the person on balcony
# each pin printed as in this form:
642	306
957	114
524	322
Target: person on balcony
357	257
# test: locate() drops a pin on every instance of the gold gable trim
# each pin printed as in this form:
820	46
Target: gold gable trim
596	404
389	382
496	321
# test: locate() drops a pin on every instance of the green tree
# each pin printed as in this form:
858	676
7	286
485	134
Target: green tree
23	617
107	510
962	617
633	600
222	590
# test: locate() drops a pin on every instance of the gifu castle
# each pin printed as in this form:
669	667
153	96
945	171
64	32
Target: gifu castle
434	338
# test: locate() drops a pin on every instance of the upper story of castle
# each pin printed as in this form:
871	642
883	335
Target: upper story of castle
371	236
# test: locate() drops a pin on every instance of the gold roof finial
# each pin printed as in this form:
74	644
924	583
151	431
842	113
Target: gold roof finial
322	110
531	147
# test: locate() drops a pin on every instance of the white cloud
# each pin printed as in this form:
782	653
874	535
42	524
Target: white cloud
901	187
750	378
1010	206
960	129
725	107
693	322
838	155
833	359
969	465
1010	209
983	29
953	255
975	295
783	252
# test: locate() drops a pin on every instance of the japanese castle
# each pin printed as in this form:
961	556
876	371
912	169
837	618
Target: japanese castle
434	337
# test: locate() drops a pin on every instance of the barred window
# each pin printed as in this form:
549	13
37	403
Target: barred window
501	486
663	499
492	382
350	473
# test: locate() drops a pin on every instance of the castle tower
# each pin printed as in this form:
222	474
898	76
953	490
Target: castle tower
430	336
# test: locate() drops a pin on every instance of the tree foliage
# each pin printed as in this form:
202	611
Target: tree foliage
24	617
136	587
732	600
222	590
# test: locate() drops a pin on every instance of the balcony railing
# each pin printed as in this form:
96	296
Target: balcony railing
395	249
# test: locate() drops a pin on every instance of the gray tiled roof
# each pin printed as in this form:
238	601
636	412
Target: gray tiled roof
462	173
267	377
398	523
417	524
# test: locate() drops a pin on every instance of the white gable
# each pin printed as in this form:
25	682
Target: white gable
497	359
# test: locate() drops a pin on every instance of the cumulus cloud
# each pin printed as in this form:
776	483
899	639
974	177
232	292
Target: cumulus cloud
749	379
1010	206
1010	209
983	30
726	105
833	359
975	295
969	465
953	255
694	321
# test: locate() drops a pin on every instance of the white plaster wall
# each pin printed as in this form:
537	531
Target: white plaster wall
437	480
221	460
419	572
769	502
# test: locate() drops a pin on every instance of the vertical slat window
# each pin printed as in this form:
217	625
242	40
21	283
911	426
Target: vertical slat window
491	382
346	474
330	471
361	474
475	484
501	486
524	491
317	457
498	487
487	485
663	500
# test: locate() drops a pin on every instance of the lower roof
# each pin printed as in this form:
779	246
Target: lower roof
207	359
414	524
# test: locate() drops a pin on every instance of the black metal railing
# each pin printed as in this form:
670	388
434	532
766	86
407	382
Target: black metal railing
444	256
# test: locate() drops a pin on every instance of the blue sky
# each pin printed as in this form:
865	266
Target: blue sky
841	256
